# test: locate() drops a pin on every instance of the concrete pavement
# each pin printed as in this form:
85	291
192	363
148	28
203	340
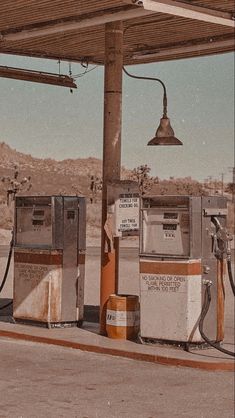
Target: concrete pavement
39	381
88	339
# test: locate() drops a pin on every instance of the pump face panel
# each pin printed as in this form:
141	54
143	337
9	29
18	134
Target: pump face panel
166	231
49	255
176	255
33	222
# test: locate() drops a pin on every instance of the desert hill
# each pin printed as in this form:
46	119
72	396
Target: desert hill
73	176
9	157
48	175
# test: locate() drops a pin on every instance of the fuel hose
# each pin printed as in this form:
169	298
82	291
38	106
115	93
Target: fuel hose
205	309
230	275
6	274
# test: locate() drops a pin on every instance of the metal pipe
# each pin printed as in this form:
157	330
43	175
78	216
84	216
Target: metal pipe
37	76
111	157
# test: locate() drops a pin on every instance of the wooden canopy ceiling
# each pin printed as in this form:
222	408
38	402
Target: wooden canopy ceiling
73	30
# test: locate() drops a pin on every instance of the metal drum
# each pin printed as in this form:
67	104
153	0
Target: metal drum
123	318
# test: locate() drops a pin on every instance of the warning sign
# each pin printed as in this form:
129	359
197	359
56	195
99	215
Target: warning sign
163	283
123	207
127	213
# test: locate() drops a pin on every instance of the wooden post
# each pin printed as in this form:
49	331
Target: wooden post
111	156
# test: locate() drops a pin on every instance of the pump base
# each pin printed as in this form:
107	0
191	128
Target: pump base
185	345
49	325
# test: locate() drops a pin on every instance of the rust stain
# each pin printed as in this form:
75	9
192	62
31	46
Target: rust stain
43	314
123	303
122	332
158	267
37	258
81	258
55	302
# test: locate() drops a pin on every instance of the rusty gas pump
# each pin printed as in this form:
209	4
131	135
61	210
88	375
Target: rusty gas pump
49	260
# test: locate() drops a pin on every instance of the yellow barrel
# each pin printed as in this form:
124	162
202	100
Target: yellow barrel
123	317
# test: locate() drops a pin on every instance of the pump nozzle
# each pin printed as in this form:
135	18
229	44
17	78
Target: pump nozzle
222	239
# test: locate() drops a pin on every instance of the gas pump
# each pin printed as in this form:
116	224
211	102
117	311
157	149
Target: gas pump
49	260
183	247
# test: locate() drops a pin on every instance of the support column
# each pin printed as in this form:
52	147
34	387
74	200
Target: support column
111	156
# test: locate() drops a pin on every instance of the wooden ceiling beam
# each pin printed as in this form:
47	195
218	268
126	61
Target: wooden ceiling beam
190	11
160	53
81	22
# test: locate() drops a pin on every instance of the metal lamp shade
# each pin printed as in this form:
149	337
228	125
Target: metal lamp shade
165	134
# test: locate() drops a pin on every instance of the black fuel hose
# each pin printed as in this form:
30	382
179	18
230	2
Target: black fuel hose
205	309
6	274
230	275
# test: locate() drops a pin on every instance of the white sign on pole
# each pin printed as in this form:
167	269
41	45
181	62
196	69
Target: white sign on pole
123	207
127	213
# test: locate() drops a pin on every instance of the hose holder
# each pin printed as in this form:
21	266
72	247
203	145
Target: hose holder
221	240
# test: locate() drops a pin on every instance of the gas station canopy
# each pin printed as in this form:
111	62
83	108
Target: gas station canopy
74	30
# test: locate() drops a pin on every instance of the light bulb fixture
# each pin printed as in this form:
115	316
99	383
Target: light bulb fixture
164	134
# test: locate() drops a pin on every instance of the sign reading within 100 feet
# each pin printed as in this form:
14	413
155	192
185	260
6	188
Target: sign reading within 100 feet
127	213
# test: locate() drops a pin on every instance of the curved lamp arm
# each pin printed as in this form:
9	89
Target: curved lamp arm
152	79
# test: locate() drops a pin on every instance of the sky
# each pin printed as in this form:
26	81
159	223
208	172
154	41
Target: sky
49	121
